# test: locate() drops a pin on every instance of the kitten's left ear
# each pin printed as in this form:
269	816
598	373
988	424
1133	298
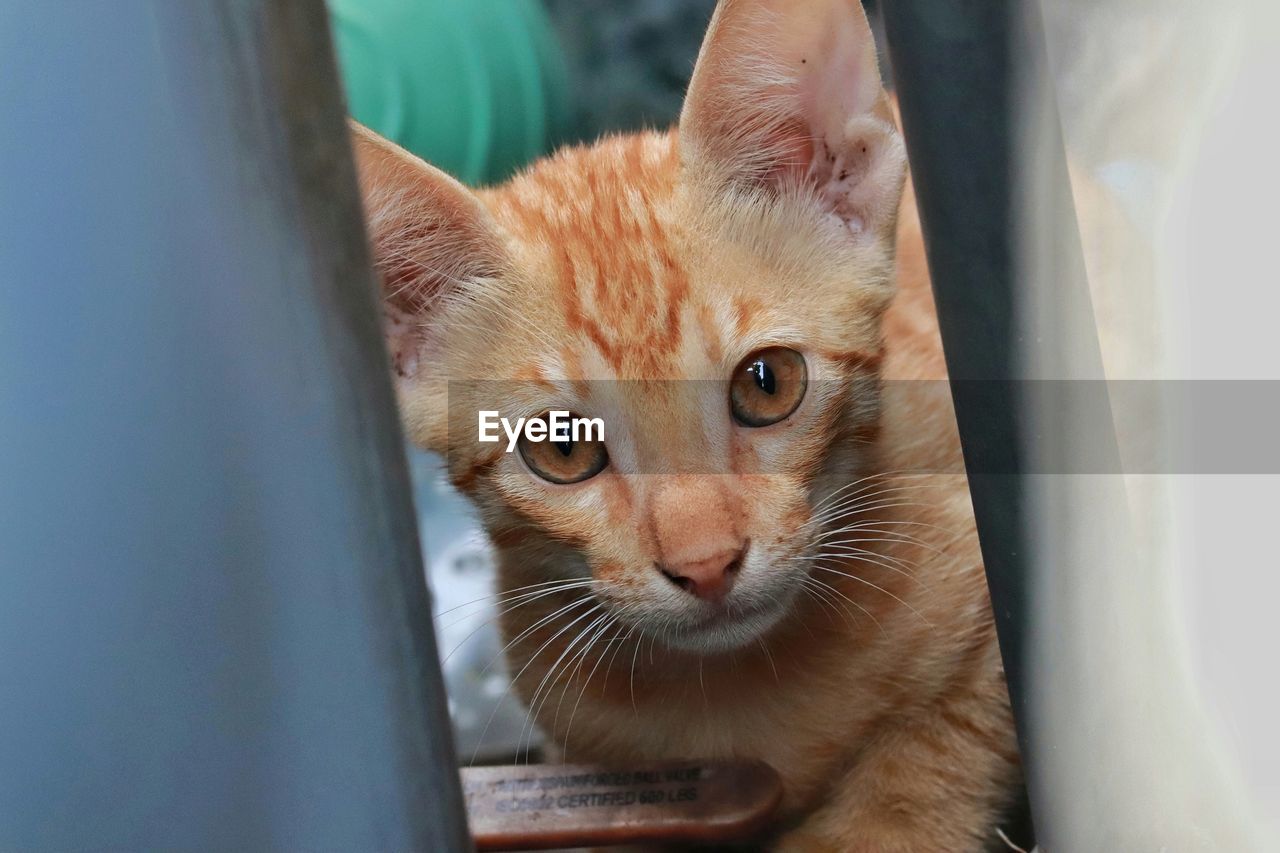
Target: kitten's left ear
786	96
431	240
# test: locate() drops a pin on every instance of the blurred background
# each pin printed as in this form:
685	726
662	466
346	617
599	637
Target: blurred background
481	88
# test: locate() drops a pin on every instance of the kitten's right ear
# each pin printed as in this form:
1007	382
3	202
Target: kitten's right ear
431	238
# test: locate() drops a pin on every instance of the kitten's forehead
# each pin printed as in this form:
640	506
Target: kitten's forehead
597	225
631	275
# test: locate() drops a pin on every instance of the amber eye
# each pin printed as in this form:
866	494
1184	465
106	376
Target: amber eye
767	386
563	462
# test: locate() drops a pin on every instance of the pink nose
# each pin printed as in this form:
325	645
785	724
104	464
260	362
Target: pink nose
709	579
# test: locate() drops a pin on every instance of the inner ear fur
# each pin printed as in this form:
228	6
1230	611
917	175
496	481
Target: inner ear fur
430	236
786	97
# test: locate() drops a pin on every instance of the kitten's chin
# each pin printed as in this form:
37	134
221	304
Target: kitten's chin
727	630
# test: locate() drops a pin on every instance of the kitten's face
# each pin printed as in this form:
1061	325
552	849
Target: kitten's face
713	297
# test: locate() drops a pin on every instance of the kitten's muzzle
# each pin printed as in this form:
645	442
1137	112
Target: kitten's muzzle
709	579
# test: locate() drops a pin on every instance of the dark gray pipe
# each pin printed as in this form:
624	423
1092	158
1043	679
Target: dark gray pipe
1119	749
1013	301
214	628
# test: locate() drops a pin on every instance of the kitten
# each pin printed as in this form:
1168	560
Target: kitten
734	570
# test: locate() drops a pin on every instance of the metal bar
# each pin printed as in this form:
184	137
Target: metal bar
214	626
1119	751
1003	248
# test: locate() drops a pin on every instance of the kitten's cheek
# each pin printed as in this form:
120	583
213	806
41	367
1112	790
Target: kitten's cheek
620	583
609	573
638	590
793	521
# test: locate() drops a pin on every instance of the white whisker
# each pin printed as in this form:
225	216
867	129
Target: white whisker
880	588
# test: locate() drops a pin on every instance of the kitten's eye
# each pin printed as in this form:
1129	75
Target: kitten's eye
767	386
564	462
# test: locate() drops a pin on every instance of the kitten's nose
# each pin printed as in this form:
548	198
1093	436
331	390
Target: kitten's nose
709	579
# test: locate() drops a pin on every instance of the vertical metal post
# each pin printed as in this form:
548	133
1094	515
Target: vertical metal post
1118	751
214	626
974	93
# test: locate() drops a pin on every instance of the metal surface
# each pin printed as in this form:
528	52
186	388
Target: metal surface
214	631
1008	276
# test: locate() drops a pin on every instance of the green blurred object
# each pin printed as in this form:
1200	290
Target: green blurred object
476	87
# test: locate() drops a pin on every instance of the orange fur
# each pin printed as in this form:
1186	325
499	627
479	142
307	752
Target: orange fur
603	278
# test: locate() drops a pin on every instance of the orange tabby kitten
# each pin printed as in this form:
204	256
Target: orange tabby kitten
733	570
